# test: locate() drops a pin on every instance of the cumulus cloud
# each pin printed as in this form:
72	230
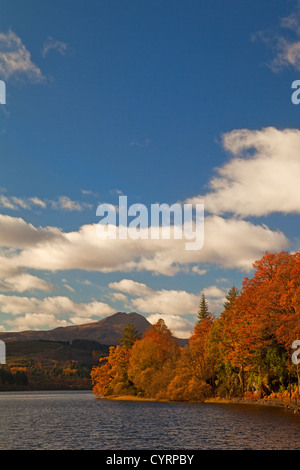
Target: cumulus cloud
169	304
50	311
22	282
16	233
119	297
130	287
179	327
15	60
34	321
261	178
166	301
230	243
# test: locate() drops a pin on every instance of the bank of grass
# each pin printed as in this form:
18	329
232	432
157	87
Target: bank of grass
286	403
130	398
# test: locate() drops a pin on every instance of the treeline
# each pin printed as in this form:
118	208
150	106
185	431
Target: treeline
28	374
243	352
50	365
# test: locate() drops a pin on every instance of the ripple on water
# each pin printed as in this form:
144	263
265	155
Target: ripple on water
76	420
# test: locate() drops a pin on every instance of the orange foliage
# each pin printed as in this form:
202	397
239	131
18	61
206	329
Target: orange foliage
245	350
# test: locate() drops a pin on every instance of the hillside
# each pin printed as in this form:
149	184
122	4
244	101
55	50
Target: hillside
105	331
62	358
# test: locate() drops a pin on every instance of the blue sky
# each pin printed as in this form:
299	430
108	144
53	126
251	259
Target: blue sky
163	102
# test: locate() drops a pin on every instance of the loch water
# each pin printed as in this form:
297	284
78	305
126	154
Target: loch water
76	420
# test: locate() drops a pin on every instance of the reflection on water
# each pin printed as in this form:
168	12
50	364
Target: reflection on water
76	420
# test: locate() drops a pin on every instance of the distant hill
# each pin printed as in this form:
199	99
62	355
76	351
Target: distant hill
106	331
62	358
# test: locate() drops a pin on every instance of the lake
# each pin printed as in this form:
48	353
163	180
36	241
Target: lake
77	420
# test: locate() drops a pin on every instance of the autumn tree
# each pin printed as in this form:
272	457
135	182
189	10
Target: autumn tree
194	371
245	349
110	377
153	360
251	322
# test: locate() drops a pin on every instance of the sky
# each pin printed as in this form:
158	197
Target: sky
164	102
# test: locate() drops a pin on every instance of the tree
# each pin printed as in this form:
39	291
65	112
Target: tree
153	360
129	336
230	298
111	376
203	311
193	369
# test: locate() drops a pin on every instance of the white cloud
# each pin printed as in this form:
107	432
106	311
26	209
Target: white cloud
52	44
16	203
120	297
262	177
215	298
61	203
70	288
65	203
147	300
34	321
199	271
23	281
38	202
28	308
130	287
16	233
288	55
214	292
179	327
230	243
169	304
166	304
286	50
15	59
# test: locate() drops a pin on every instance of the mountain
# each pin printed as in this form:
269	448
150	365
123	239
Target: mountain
105	331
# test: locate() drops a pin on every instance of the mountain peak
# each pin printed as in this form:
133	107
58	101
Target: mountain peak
105	331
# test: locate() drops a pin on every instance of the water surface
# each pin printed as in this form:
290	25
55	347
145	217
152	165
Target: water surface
76	420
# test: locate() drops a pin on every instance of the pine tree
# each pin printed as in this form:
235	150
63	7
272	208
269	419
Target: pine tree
203	311
129	336
230	297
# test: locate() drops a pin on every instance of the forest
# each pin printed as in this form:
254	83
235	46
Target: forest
50	365
245	351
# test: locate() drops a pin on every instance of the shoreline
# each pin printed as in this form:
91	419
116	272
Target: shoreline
285	404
